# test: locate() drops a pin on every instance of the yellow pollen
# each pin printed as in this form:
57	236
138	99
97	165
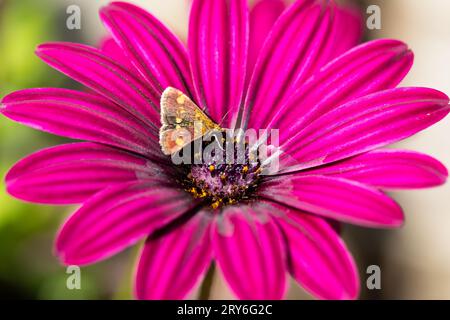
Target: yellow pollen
216	204
178	120
245	169
212	168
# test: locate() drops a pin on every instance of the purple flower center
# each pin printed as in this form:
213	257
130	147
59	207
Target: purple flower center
220	183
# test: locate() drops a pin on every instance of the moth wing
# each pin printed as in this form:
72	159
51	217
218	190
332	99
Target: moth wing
182	121
177	108
173	140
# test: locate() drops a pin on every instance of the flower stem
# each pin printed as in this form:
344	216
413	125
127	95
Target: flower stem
205	290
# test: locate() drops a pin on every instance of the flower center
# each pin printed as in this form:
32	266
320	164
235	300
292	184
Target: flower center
221	184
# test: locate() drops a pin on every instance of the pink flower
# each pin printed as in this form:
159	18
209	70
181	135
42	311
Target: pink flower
335	108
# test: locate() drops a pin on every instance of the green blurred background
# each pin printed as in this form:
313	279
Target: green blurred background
415	261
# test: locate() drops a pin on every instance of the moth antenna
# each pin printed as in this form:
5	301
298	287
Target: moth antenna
223	118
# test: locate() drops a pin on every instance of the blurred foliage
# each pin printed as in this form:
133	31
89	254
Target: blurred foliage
28	268
23	25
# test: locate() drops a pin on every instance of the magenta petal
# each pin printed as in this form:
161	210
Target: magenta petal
80	115
158	55
250	254
318	258
218	43
294	50
118	217
172	264
388	169
368	68
71	173
367	123
110	48
262	18
93	69
336	198
348	28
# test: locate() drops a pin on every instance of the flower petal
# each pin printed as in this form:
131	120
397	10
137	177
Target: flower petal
172	264
110	48
317	257
295	48
118	217
71	173
347	29
250	254
218	43
365	124
93	69
80	115
262	18
368	68
336	198
158	55
388	169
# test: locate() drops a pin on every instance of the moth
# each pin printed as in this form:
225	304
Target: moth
182	121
